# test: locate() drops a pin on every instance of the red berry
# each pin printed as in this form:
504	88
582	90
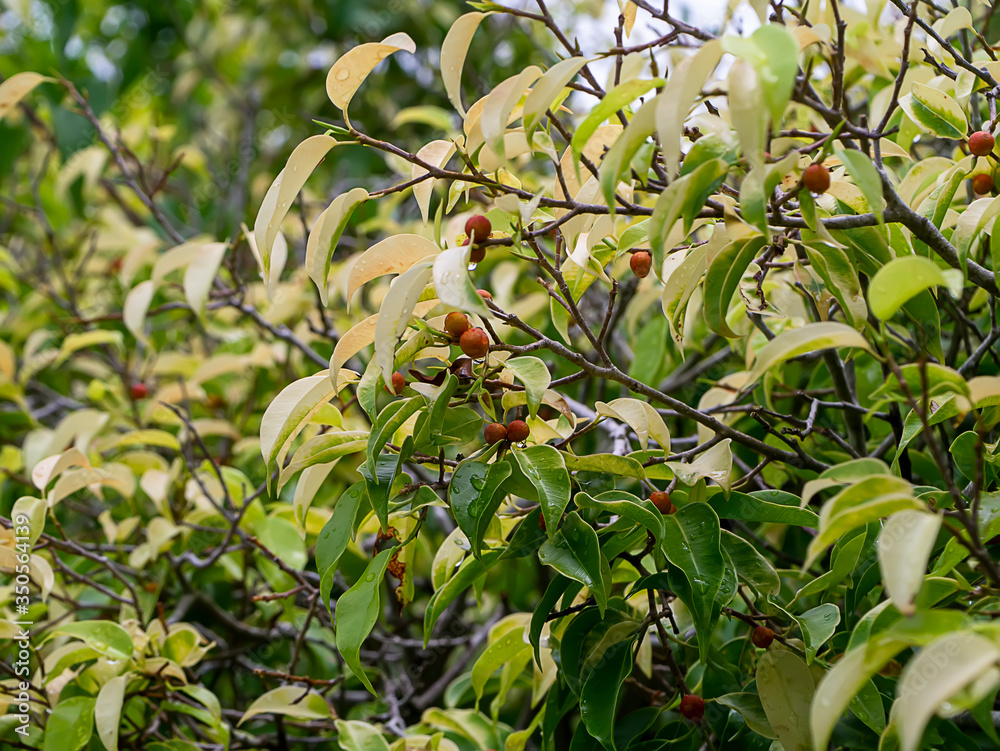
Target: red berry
139	391
661	500
693	707
477	255
456	323
478	228
474	343
762	637
816	178
494	433
485	295
398	383
980	143
518	431
641	262
982	183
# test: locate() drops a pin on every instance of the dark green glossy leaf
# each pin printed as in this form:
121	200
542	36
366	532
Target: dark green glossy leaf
357	610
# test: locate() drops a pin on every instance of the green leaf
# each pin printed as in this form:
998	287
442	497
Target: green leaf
70	725
468	573
761	506
626	505
544	468
574	551
750	565
547	89
601	691
336	534
749	706
618	160
865	502
501	651
773	51
904	547
610	464
691	542
866	177
104	637
716	464
390	419
967	656
786	688
935	112
812	337
971	224
289	701
357	610
818	625
613	101
556	588
475	494
723	279
535	376
326	233
902	279
108	710
353	735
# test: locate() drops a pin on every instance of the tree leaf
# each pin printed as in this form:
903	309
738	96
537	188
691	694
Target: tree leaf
934	111
362	334
601	692
866	178
546	89
575	552
499	652
108	710
682	90
903	278
818	625
613	101
715	464
104	637
786	688
535	376
641	417
353	735
468	573
15	88
70	724
436	154
723	279
454	49
500	104
289	412
773	51
812	337
452	283
475	495
336	534
394	255
904	547
965	656
627	506
750	565
325	233
395	314
357	610
691	542
545	470
353	67
290	701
